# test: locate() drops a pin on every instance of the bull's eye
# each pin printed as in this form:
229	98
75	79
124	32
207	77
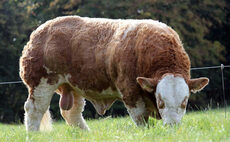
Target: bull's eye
184	103
160	102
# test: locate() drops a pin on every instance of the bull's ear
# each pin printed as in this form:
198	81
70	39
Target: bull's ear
146	83
197	84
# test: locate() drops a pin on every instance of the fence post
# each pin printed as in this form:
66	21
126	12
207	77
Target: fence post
222	76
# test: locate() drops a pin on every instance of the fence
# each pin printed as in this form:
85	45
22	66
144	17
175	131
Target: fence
222	66
193	70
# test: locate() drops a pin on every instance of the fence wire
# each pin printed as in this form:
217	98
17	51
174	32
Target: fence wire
222	66
198	68
11	82
212	67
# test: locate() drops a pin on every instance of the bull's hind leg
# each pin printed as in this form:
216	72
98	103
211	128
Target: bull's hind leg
37	104
73	116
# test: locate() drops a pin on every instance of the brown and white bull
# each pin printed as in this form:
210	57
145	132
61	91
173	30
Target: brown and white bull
140	62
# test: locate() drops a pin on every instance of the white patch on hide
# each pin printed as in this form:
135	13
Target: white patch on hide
47	70
131	27
35	109
173	90
120	94
148	21
137	112
46	122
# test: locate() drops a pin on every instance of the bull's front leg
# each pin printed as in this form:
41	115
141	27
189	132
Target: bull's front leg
132	97
136	107
138	112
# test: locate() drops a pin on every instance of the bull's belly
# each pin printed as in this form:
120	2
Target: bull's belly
101	101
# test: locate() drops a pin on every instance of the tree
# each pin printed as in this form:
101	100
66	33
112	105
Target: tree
13	36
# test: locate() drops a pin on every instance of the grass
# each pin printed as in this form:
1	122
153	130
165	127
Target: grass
207	126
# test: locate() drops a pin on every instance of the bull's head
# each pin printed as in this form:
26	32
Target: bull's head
172	93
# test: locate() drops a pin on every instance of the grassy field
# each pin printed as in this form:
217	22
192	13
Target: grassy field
200	126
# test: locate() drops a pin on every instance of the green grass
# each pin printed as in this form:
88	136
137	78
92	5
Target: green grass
200	126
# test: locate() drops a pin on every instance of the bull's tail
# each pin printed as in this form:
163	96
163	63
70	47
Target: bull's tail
46	122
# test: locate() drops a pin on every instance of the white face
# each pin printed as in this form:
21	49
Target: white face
172	97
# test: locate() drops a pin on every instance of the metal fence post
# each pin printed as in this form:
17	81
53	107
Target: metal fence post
222	76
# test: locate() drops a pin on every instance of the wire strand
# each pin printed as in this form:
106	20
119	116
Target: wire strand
11	82
212	67
198	68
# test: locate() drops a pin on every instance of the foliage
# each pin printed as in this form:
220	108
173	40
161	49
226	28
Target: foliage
197	126
13	35
202	25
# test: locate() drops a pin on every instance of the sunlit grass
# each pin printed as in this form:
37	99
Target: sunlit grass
196	126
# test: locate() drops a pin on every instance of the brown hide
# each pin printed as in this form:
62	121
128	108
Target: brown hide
103	53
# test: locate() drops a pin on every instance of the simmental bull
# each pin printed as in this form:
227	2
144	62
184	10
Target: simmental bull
140	62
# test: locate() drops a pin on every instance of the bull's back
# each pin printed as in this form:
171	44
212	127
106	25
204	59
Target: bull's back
68	45
93	51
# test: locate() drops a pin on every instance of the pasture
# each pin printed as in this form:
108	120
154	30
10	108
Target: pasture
209	125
